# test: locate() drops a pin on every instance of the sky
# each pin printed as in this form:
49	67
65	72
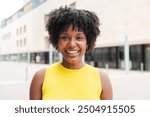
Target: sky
9	7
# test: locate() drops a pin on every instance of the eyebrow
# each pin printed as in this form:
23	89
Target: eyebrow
79	33
64	33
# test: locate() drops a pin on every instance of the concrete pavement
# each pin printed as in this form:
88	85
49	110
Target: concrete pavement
15	81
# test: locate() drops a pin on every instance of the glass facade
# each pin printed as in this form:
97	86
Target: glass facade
39	57
147	57
89	57
36	3
137	57
13	57
120	56
112	57
105	57
23	57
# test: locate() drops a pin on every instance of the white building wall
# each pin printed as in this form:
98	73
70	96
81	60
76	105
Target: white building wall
35	29
113	15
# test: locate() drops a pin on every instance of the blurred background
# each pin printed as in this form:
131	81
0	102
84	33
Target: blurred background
122	50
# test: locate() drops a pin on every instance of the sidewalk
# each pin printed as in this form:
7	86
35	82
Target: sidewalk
15	81
134	85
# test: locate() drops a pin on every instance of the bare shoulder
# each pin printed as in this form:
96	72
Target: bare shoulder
36	84
39	75
107	93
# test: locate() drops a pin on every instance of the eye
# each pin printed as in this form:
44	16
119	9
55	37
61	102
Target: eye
64	37
79	38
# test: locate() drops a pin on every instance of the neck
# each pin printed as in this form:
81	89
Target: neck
77	65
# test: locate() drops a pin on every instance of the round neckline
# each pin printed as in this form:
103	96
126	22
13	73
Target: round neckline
72	70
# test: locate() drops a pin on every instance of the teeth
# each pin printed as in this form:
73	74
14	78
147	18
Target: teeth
72	52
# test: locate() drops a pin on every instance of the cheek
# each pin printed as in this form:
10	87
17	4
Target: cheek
61	46
85	46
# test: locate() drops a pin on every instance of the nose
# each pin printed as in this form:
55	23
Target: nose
72	43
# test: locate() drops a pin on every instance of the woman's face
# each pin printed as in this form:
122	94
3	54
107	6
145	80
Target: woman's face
72	44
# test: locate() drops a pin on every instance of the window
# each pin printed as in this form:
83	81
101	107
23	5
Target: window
46	42
105	56
17	43
45	19
6	36
20	30
17	32
20	42
24	28
24	42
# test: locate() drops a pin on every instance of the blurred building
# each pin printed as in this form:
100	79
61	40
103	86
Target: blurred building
24	39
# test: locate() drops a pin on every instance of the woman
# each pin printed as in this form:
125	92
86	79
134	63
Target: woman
72	32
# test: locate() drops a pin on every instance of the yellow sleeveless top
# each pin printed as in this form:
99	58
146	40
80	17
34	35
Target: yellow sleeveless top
61	83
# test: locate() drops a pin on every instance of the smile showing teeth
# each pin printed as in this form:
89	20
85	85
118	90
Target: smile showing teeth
72	52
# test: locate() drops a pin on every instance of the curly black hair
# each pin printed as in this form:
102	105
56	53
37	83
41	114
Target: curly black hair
60	19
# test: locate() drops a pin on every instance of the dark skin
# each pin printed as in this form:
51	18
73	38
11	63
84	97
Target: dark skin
37	83
72	44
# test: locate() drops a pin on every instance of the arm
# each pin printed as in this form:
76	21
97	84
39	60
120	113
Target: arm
36	85
107	93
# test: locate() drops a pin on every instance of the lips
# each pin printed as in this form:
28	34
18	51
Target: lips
72	51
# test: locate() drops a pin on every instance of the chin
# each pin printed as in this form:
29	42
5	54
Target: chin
72	60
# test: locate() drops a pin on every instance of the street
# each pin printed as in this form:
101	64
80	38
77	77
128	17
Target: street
15	79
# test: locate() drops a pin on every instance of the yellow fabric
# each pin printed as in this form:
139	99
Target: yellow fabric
61	83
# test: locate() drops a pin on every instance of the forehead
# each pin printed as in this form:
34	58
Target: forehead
72	28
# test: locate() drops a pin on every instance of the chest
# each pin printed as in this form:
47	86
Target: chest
71	86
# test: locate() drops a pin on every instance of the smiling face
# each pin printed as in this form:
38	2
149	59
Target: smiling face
72	44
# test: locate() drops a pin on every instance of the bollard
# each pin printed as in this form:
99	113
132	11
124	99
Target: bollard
107	67
26	78
92	63
142	67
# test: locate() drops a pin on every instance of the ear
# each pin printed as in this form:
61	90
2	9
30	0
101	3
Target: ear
57	47
58	50
87	46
